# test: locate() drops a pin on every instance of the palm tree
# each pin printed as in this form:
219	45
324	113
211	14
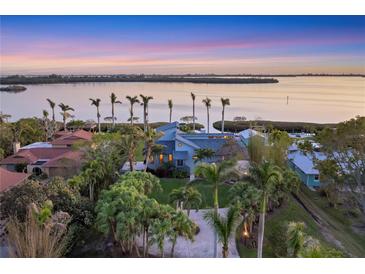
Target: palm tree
246	197
295	238
45	124
162	228
129	143
96	103
52	105
113	100
216	174
223	226
208	103
203	153
132	100
170	107
181	226
145	101
193	97
265	176
150	136
186	197
225	102
65	114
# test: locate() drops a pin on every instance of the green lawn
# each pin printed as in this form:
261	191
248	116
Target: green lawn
338	222
206	190
275	228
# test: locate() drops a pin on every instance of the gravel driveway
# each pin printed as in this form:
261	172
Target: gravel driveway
203	246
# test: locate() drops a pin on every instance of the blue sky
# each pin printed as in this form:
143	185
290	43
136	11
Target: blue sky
182	44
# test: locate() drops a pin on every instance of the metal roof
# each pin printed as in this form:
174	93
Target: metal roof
305	162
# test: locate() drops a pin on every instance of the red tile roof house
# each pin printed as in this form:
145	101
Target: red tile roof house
9	179
68	139
54	159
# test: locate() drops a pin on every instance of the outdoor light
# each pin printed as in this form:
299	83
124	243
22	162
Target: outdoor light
245	232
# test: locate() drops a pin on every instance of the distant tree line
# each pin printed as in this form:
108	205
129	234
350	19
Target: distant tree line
237	126
57	79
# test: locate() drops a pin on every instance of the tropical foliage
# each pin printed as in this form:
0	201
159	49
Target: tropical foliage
186	198
126	212
223	226
299	244
41	235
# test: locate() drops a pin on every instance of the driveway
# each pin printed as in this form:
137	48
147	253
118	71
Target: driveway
203	246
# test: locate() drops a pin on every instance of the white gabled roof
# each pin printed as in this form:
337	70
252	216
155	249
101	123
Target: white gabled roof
37	145
248	133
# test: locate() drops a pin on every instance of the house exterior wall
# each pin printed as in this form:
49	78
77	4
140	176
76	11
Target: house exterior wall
307	179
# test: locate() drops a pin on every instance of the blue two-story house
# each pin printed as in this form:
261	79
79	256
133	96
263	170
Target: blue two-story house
180	147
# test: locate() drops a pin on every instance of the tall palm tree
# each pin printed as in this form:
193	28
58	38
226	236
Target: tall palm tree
225	102
150	136
170	104
129	143
223	226
265	176
186	198
45	124
52	105
113	100
193	97
65	114
144	103
216	174
96	103
132	100
208	103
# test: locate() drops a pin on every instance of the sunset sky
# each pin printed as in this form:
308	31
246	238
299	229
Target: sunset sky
182	44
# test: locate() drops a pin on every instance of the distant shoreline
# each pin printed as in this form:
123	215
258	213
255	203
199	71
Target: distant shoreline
59	79
14	88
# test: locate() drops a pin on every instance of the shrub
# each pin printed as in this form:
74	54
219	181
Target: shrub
168	170
40	235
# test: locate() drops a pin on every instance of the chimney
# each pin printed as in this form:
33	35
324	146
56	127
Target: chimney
16	147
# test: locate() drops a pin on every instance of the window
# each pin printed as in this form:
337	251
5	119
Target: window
180	162
170	158
316	177
161	158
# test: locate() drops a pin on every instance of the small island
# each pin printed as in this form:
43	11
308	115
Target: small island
14	88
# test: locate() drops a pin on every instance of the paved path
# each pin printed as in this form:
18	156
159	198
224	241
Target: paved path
203	246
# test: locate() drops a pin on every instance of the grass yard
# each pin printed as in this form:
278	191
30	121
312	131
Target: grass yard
338	222
206	190
275	228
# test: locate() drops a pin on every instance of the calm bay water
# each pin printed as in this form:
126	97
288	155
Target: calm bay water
311	99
